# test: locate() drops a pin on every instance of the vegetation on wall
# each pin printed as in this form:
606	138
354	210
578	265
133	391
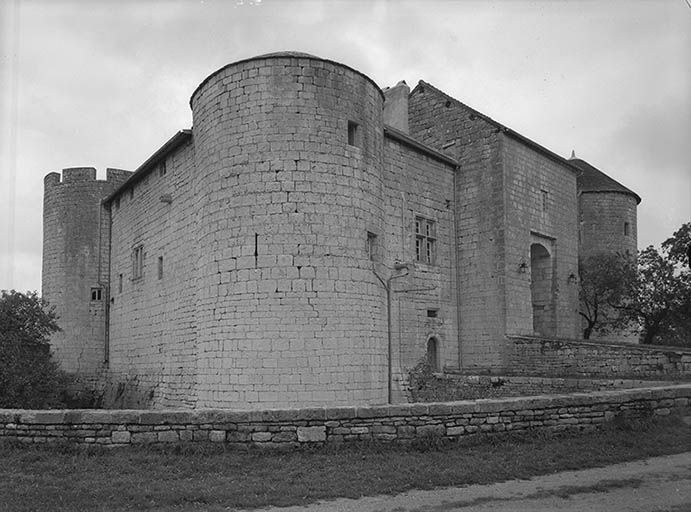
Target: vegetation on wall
29	378
654	295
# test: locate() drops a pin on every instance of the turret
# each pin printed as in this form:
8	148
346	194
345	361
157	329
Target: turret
75	243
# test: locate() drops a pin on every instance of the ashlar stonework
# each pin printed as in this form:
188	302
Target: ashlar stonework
311	237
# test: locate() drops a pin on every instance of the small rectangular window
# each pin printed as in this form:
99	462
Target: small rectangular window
162	168
371	246
432	313
138	262
132	193
425	240
95	294
160	267
353	134
627	229
120	283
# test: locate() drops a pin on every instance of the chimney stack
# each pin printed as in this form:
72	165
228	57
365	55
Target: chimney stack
396	106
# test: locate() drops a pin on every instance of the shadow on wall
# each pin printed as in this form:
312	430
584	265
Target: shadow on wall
127	394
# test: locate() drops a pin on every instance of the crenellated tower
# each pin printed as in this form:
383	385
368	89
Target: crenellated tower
74	274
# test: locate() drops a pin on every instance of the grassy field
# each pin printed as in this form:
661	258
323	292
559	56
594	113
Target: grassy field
211	478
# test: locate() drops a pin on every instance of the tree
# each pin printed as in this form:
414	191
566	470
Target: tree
606	282
662	298
29	378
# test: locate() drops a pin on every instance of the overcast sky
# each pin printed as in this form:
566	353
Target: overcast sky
105	83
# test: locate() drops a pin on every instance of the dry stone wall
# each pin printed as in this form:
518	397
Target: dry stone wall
320	426
538	356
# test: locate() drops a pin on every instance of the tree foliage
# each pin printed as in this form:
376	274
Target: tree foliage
29	378
606	281
653	295
661	301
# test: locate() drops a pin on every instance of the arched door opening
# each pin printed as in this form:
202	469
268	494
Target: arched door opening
433	354
541	290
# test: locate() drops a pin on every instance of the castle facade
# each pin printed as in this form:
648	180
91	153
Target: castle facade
312	237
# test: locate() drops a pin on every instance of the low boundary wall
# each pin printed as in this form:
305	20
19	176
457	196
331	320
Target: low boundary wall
549	357
296	427
457	386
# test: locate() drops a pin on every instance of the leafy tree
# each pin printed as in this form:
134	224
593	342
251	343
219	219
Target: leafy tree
29	378
662	299
606	283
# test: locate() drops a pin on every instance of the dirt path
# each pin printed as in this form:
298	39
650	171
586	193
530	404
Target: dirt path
652	485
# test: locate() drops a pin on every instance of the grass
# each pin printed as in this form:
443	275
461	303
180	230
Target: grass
211	478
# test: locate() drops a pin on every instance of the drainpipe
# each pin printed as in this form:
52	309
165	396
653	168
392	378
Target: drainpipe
387	286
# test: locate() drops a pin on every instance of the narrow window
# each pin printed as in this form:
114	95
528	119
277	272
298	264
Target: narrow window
138	262
545	199
371	246
120	283
117	203
162	168
95	294
132	193
627	229
160	267
432	313
353	133
425	240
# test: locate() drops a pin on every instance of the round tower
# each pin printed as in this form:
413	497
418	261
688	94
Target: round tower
73	273
289	152
607	213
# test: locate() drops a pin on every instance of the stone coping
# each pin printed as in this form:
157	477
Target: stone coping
220	416
601	344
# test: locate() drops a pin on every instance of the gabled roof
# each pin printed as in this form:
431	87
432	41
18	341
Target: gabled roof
171	145
591	179
502	128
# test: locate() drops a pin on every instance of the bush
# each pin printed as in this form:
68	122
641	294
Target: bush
29	378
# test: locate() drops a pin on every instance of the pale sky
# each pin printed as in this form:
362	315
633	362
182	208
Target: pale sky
106	83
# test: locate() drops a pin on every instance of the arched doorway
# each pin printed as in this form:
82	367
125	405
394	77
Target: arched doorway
541	290
433	354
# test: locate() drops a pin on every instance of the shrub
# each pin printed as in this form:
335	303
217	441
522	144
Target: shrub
29	378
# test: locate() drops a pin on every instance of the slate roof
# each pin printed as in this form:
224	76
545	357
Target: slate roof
591	179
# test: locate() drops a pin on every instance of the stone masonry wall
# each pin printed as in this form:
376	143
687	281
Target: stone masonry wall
419	185
320	426
152	318
537	356
541	208
448	125
74	250
603	216
451	386
289	153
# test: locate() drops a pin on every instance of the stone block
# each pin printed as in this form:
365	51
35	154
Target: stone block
168	436
311	434
217	436
120	437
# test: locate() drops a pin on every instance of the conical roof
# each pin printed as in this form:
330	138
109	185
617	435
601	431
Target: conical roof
591	179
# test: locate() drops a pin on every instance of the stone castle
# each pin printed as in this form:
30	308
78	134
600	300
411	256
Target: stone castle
312	237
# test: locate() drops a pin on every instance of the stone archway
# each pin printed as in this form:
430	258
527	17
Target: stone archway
541	290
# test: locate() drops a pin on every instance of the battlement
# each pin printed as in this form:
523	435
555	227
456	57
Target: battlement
73	175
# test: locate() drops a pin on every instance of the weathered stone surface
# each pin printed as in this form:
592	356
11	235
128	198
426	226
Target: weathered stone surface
311	434
120	436
217	436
